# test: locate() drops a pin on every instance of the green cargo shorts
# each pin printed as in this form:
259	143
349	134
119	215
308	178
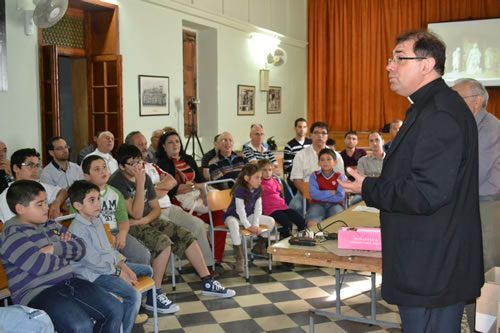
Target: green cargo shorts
160	234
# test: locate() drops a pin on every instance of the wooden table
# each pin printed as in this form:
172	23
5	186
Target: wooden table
327	254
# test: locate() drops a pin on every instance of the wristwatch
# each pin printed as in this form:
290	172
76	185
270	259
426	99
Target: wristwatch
193	187
118	270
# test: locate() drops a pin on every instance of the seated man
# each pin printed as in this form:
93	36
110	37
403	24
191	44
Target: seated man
351	154
296	144
371	165
226	164
207	157
105	143
153	147
157	234
306	162
48	283
5	171
26	164
60	171
393	129
256	151
163	183
88	149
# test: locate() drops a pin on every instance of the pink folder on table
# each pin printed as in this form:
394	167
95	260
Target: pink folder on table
360	239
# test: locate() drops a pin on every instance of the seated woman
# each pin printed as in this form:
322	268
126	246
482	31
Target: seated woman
173	159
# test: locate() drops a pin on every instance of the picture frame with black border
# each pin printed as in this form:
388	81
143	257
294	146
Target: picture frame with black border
154	95
246	100
274	100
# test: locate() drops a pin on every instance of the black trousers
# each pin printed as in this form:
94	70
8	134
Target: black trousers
286	218
432	320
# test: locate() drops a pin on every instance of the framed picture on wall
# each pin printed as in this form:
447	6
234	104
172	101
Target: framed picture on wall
246	100
274	100
153	95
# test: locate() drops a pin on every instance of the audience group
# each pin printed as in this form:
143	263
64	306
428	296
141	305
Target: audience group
152	197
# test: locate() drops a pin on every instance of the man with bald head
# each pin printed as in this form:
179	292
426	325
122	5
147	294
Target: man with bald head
226	164
5	171
255	150
105	144
488	126
153	147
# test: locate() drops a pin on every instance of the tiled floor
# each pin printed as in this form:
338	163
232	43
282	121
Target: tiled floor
276	302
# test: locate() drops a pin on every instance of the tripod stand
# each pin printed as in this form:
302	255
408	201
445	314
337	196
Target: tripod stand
193	135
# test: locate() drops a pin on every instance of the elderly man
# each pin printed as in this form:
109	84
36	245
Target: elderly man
226	164
476	98
153	147
60	171
393	129
5	171
105	143
163	183
306	162
26	165
371	165
255	150
428	194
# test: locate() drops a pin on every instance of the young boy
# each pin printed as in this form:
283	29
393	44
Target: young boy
114	211
36	255
326	193
160	236
103	265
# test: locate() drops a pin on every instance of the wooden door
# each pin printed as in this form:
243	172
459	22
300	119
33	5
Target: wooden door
105	96
49	95
190	77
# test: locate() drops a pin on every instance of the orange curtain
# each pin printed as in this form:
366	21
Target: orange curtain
349	44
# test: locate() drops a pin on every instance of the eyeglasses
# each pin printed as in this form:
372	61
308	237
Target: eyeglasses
31	165
397	59
464	97
134	163
62	148
320	133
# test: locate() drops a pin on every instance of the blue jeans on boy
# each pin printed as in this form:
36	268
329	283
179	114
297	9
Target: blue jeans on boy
132	299
318	211
74	304
22	319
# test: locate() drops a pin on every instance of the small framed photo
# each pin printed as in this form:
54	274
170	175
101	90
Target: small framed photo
246	100
274	100
153	95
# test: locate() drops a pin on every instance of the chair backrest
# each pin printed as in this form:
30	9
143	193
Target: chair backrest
305	191
219	200
108	232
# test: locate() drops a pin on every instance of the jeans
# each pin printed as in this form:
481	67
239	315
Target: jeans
74	304
21	319
132	299
318	211
297	203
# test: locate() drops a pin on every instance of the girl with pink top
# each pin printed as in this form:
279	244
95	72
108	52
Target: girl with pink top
273	204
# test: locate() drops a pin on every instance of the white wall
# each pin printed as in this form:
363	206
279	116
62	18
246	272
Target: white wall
151	43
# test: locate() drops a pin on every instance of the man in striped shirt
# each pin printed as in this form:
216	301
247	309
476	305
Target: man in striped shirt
294	146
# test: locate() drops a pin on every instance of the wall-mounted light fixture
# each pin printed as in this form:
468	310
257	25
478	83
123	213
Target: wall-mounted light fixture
261	45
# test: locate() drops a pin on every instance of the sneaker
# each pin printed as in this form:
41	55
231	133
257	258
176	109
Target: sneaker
212	287
163	304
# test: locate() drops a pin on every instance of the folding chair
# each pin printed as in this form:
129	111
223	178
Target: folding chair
144	283
306	196
220	200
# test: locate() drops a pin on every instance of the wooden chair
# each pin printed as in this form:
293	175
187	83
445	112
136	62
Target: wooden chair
220	200
144	283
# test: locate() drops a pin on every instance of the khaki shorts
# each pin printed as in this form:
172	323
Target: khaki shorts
160	234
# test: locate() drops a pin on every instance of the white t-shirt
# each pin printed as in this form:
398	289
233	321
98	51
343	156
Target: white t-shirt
153	171
306	162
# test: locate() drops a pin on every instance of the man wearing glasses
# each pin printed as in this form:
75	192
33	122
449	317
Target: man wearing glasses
60	171
306	162
428	194
25	164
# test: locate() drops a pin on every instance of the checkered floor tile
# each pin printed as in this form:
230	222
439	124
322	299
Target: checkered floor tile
272	302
